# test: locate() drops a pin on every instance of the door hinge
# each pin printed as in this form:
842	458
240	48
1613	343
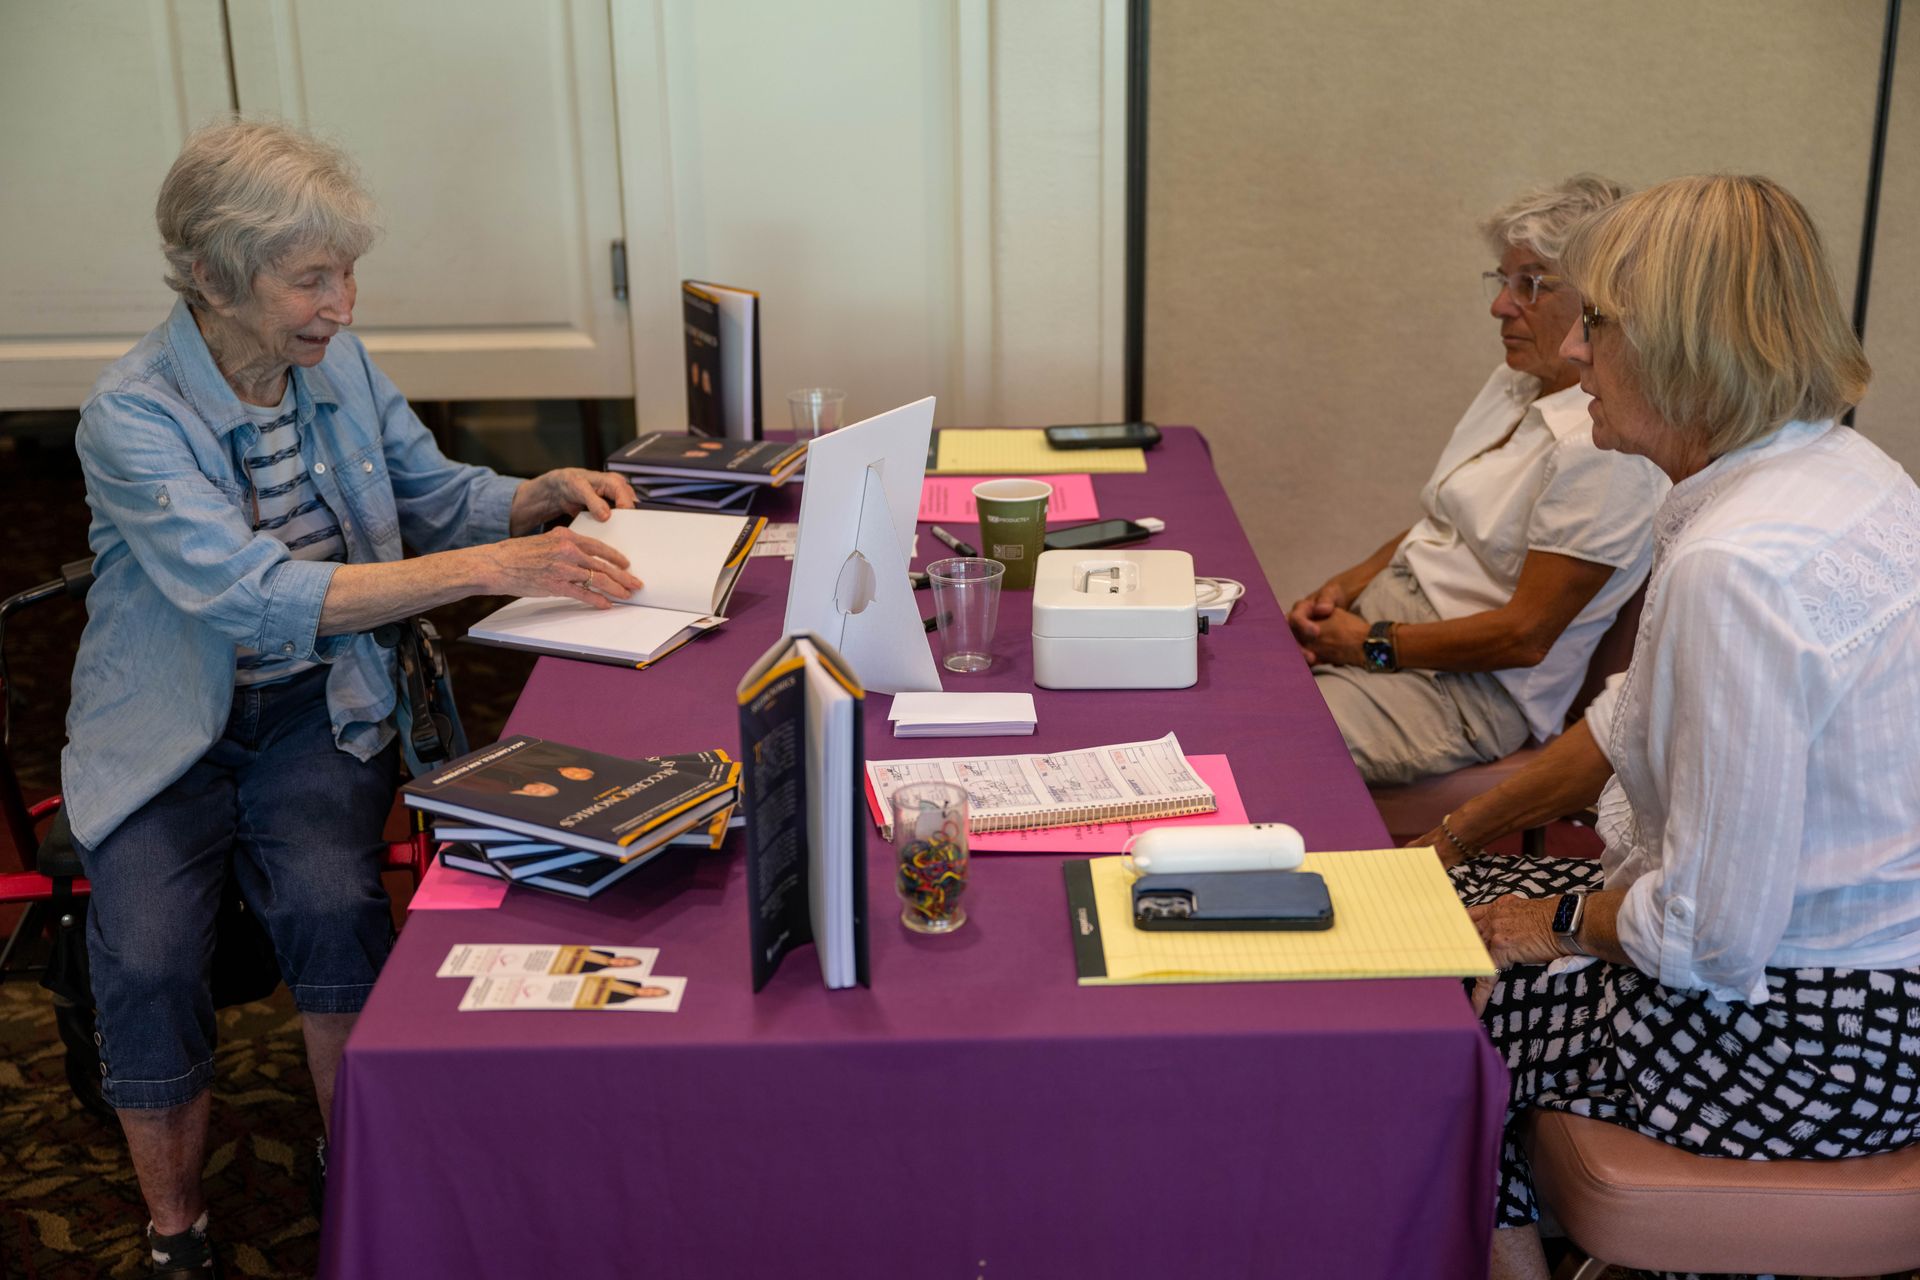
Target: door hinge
620	270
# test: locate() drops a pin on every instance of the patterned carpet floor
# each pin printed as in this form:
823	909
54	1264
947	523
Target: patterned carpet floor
71	1207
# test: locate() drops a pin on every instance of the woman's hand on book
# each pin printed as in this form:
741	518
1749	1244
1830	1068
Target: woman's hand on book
567	492
559	563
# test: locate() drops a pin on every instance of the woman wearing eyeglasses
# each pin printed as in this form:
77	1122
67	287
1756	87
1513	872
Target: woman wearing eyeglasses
1470	632
1747	982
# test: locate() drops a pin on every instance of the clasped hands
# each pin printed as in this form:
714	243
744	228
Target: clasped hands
1326	629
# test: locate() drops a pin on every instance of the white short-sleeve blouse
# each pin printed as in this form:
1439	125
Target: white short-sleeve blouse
1501	490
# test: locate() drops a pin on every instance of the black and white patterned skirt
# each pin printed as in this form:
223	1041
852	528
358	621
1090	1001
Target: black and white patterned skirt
1828	1067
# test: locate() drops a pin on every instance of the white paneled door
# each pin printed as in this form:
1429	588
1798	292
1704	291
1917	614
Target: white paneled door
486	131
95	99
926	193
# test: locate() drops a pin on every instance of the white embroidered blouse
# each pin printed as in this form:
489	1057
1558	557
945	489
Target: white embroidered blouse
1765	805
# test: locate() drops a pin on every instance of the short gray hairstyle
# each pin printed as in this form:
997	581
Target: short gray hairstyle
244	194
1543	219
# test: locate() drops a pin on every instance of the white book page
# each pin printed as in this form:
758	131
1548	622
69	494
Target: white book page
737	337
680	557
830	820
560	625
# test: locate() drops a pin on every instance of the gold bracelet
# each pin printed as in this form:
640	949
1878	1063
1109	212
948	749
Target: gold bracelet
1466	854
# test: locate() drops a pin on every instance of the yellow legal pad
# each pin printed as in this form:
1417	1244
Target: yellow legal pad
1394	916
1005	452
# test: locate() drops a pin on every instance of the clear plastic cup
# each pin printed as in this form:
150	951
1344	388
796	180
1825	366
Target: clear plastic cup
930	844
966	603
815	411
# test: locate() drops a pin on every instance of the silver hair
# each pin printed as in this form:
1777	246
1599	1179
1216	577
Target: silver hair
1541	220
243	195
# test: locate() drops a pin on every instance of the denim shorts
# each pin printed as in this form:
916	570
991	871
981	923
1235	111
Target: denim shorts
297	822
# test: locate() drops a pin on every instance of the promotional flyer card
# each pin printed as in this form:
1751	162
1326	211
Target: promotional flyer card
480	960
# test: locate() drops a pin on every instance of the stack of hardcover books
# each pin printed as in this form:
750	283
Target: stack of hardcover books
568	820
704	474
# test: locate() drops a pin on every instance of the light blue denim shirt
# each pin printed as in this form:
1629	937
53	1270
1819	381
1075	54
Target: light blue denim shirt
180	577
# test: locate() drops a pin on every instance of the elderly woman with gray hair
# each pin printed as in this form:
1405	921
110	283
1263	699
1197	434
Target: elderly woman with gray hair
253	477
1469	632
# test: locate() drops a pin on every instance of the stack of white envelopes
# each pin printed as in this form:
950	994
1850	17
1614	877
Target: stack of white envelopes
961	715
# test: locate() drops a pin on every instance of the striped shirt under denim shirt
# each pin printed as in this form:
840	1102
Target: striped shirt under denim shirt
288	507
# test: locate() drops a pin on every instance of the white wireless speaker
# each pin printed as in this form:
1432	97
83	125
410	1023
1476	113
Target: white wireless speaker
1257	846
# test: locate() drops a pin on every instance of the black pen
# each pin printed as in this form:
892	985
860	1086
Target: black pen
959	547
933	623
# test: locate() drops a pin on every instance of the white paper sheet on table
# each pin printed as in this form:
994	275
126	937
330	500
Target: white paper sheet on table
961	715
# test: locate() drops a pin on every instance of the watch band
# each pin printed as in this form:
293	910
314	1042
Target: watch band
1568	916
1379	649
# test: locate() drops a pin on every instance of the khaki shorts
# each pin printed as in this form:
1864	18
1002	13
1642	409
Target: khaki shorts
1402	726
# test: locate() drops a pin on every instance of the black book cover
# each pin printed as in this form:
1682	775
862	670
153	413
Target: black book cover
581	880
773	729
571	795
666	453
773	753
706	408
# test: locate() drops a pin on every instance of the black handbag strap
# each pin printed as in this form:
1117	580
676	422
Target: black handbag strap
423	670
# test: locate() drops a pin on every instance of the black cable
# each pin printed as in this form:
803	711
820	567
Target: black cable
1139	20
1876	167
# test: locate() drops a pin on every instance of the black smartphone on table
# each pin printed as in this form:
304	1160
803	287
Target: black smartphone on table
1105	435
1098	533
1232	900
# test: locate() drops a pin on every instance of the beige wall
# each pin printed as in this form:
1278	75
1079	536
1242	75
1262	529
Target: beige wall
1317	173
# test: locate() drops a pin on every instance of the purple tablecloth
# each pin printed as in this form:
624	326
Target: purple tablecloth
973	1114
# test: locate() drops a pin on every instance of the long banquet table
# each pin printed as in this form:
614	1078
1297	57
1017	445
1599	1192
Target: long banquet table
974	1113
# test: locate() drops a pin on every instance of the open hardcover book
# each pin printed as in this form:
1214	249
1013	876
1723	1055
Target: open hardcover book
800	733
1116	783
688	562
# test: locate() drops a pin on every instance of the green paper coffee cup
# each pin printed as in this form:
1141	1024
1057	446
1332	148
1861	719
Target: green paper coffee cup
1013	525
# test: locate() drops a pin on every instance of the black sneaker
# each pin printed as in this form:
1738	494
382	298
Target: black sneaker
317	1179
187	1256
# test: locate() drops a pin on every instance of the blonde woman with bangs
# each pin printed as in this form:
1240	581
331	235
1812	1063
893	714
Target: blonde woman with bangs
1744	981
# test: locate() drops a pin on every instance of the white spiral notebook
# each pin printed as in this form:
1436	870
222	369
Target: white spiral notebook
1054	789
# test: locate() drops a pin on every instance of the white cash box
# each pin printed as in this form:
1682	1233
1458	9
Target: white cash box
1114	620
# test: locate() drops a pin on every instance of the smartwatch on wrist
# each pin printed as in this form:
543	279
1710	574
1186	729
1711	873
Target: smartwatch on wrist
1566	922
1378	648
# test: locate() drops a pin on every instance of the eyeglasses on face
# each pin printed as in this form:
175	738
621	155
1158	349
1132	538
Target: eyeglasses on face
1524	286
1590	318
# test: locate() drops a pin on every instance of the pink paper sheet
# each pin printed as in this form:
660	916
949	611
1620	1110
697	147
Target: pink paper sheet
1112	837
951	498
445	889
